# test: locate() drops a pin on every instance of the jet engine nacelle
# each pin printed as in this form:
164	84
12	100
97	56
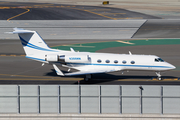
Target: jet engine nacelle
67	58
51	58
74	58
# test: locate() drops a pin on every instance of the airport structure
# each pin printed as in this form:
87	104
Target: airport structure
91	99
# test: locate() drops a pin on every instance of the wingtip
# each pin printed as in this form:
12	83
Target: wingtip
72	50
58	71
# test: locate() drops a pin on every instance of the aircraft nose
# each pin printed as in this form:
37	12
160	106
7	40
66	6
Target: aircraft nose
172	66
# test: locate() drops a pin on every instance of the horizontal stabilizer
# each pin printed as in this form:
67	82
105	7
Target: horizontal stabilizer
20	30
58	71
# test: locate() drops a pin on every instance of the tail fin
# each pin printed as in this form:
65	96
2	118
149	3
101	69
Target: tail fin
32	42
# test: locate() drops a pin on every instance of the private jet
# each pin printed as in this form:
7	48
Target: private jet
87	63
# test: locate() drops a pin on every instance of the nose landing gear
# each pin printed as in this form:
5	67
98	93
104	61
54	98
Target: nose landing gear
159	75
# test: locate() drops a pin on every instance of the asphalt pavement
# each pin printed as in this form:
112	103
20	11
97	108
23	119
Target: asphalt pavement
49	11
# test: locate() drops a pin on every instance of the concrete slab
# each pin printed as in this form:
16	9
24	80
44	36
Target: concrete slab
162	28
75	29
71	23
87	116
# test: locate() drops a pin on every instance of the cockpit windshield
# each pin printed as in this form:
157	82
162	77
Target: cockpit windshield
159	60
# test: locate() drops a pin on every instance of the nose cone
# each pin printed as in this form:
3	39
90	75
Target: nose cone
171	67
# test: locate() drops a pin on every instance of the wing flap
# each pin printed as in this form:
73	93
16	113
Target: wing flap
91	70
82	73
85	70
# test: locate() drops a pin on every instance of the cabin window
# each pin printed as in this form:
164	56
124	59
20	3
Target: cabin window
99	61
107	61
124	62
132	62
115	61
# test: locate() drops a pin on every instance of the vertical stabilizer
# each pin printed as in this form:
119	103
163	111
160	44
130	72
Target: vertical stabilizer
32	42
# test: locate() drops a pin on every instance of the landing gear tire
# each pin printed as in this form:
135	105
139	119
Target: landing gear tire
87	77
159	78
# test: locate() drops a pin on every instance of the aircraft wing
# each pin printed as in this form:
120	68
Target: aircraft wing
58	71
84	71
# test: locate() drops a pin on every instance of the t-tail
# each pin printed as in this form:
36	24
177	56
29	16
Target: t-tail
34	46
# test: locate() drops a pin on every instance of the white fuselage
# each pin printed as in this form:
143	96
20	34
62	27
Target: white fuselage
115	62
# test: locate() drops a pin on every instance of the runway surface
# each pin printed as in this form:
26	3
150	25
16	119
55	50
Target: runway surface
16	69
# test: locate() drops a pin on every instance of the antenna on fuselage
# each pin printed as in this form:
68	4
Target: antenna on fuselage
130	53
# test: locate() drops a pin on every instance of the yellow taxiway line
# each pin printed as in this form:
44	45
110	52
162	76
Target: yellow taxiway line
45	78
27	10
41	78
113	13
36	79
163	80
95	13
12	55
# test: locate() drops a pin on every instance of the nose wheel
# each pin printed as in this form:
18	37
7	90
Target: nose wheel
159	75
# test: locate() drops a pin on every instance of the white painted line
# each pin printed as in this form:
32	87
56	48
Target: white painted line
125	42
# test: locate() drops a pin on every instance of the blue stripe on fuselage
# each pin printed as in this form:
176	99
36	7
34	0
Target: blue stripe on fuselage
120	65
35	58
25	43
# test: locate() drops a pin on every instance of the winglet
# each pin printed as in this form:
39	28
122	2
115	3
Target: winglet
58	71
72	50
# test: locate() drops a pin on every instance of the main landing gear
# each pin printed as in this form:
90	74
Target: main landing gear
88	77
159	75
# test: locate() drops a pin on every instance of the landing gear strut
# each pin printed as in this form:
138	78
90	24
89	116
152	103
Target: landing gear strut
87	77
159	75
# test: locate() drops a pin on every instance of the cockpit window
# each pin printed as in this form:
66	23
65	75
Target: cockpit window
156	60
159	60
